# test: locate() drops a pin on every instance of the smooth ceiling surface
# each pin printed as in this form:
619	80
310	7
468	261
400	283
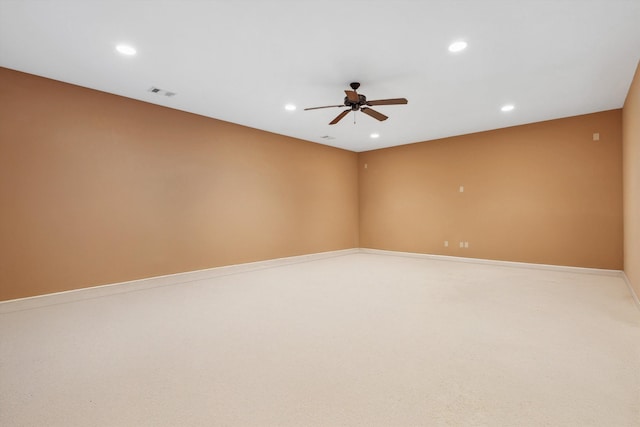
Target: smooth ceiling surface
243	60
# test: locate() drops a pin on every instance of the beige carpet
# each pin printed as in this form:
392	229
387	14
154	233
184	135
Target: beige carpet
354	340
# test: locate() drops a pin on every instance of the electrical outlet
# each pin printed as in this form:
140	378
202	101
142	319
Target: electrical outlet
466	244
446	243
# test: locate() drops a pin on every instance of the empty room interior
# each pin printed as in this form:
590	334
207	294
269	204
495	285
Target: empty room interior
322	213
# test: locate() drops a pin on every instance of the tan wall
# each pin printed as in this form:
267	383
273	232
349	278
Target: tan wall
540	193
96	188
631	167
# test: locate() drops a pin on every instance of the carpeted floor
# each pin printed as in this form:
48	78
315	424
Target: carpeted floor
354	340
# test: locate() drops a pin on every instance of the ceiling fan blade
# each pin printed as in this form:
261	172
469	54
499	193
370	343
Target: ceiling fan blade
340	117
326	106
393	101
373	113
352	96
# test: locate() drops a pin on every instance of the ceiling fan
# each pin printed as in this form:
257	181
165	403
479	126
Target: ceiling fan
356	101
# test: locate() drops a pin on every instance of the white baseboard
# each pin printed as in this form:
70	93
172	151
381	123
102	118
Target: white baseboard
191	276
515	264
158	281
597	271
633	292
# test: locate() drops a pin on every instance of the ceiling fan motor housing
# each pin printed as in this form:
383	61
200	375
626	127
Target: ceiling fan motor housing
362	100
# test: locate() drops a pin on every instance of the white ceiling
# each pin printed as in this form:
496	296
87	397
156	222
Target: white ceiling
243	60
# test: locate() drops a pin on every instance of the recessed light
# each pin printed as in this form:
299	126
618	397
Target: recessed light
375	135
457	46
290	107
126	49
508	107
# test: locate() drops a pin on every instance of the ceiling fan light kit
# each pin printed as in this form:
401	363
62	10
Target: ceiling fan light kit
358	102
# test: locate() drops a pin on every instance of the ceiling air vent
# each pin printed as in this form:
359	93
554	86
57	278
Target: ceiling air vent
159	91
